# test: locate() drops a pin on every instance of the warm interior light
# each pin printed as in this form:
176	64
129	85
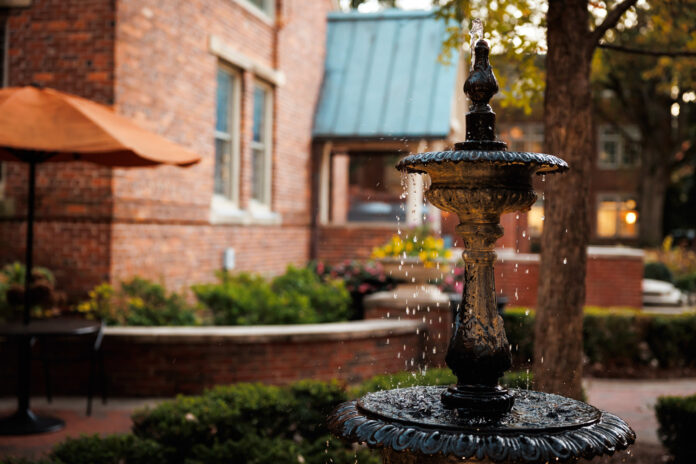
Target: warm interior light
631	217
516	133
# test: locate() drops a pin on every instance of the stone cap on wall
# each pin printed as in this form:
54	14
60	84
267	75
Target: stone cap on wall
335	331
593	252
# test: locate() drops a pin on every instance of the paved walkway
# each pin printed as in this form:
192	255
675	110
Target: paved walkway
632	400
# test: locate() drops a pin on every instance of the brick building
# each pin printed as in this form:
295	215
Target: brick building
385	94
298	137
234	80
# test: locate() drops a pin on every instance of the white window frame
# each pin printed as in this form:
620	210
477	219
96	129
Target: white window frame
230	198
617	198
264	204
621	146
265	13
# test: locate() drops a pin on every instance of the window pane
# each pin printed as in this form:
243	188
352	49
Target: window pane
607	218
374	188
259	114
608	153
258	178
629	219
222	149
262	4
535	221
223	100
631	153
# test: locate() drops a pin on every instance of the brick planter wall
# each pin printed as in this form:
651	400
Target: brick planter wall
165	361
614	277
436	319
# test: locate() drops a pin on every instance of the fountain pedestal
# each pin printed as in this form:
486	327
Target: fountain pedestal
477	419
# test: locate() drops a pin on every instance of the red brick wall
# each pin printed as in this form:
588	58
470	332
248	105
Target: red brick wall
338	243
151	60
610	280
181	255
165	368
438	321
67	45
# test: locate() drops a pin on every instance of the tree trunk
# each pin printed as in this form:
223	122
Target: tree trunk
651	204
568	134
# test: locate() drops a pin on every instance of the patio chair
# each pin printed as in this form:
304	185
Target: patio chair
87	349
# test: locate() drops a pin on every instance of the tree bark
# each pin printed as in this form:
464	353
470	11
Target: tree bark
568	128
653	188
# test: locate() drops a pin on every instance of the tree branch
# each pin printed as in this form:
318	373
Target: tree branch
638	51
611	19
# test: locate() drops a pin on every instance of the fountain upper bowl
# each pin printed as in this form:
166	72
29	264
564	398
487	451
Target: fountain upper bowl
538	162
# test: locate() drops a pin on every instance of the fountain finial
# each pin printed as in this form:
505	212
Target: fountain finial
480	87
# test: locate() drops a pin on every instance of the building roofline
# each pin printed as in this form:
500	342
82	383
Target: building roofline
392	13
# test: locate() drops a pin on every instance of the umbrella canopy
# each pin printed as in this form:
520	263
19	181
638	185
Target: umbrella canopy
39	125
73	128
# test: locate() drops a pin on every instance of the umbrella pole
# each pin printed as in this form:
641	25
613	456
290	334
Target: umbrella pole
24	421
30	242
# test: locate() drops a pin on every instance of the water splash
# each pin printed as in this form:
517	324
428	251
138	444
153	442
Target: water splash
476	34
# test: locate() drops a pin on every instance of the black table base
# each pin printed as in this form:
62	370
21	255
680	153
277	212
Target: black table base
25	422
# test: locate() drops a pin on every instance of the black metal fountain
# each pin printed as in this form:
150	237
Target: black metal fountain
477	420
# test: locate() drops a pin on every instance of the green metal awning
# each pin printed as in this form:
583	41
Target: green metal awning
382	77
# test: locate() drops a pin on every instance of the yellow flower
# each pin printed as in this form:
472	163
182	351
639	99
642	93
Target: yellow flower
448	254
409	246
440	244
377	253
423	256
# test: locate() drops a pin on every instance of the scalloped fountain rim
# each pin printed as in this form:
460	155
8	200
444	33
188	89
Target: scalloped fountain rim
546	163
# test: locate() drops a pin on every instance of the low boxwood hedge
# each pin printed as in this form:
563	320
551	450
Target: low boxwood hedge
677	419
616	338
243	423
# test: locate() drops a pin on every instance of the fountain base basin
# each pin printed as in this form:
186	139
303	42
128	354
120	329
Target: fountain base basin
541	427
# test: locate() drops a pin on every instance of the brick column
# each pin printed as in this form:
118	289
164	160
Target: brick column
339	188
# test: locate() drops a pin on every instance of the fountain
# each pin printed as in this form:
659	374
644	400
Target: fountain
477	419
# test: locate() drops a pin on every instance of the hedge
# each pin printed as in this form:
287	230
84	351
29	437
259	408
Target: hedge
616	338
243	423
677	419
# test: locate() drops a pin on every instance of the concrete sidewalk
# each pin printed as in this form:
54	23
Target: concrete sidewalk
633	400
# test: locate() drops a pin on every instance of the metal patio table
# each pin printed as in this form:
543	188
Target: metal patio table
24	421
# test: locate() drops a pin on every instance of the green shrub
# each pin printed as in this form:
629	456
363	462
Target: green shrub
297	297
686	282
12	291
284	422
138	302
658	271
616	337
519	327
677	419
329	298
434	376
114	449
245	299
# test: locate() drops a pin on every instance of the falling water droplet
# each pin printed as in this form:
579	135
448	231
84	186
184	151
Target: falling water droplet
565	260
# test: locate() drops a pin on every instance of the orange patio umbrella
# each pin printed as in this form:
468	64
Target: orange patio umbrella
40	125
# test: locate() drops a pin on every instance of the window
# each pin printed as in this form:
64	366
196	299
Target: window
264	5
535	219
227	134
524	137
261	145
375	189
617	216
616	150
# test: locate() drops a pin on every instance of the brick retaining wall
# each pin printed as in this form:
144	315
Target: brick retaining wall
164	361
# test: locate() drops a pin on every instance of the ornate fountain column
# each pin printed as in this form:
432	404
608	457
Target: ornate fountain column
477	419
